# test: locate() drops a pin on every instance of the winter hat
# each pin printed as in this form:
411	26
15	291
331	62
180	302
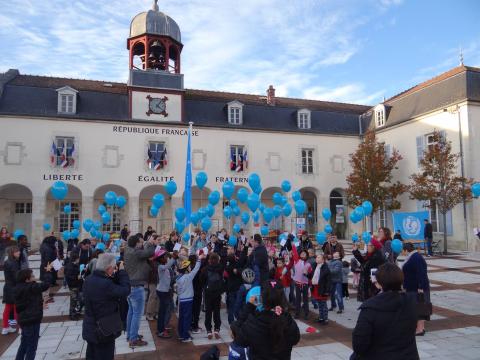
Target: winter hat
376	244
184	264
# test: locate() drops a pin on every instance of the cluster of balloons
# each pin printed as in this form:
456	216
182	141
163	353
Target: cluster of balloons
158	200
321	236
361	211
476	190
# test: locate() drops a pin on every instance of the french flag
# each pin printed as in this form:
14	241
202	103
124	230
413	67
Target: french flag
53	153
149	160
233	164
157	163
163	158
245	159
239	163
71	156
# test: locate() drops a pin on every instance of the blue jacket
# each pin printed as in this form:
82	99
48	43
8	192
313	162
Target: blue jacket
415	273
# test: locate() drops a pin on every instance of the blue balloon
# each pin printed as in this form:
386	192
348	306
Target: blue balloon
227	212
76	224
253	202
245	217
121	201
257	190
101	246
158	200
277	198
355	237
66	235
282	237
296	195
74	233
366	237
201	179
268	215
261	207
98	234
256	217
284	200
110	198
397	246
153	211
97	225
186	237
18	233
254	181
287	209
46	226
180	214
242	195
202	212
67	209
101	209
286	186
277	211
106	237
328	228
359	212
327	214
228	189
321	237
232	240
367	207
353	217
171	187
179	226
236	228
210	210
93	232
300	207
264	230
214	197
254	291
206	224
236	211
233	203
476	189
59	190
194	218
106	217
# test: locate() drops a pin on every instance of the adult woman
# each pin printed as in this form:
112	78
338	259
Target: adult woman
10	269
385	327
172	240
48	254
4	239
385	238
416	281
269	333
372	260
101	295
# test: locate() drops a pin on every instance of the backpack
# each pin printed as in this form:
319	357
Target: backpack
214	283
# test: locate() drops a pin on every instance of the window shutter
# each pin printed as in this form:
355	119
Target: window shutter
443	134
449	223
420	148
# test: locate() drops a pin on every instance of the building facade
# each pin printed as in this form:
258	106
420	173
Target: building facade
131	138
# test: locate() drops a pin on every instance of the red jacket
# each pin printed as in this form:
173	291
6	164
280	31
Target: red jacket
286	279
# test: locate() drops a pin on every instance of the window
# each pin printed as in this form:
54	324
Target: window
382	217
67	100
379	114
63	152
115	219
307	161
157	155
235	113
66	104
23	208
238	158
66	219
435	217
304	119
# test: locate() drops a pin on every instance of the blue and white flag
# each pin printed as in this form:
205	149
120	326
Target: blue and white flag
188	180
410	224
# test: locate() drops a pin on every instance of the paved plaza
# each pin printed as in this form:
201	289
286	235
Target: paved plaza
453	333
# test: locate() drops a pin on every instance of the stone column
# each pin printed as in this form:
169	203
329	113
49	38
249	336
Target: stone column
87	213
134	215
38	219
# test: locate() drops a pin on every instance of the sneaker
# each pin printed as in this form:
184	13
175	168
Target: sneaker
332	309
137	343
6	331
216	334
187	340
340	312
164	335
209	336
195	331
320	321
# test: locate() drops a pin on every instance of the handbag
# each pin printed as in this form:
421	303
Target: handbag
424	308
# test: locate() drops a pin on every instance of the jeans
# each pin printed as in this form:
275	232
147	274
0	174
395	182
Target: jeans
286	291
322	310
345	290
429	246
28	342
163	305
212	307
75	302
136	304
337	294
184	318
104	351
231	298
301	291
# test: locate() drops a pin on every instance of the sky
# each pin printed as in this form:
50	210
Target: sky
355	51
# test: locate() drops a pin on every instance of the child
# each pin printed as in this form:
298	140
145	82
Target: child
185	297
234	281
248	277
29	305
321	283
212	277
345	272
74	282
283	276
335	266
356	270
164	292
301	269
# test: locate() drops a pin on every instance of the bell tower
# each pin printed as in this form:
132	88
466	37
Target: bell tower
155	83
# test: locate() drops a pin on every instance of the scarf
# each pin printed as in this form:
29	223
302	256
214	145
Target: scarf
316	275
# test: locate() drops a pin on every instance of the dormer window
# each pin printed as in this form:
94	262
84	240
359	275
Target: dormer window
379	116
67	100
235	113
303	119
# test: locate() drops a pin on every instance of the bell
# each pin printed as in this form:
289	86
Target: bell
151	56
156	44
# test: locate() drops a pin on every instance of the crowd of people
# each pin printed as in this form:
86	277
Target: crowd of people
115	284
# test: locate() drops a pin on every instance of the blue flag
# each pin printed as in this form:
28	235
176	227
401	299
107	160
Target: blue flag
410	224
188	181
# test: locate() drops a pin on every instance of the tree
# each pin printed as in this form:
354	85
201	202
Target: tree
438	180
371	176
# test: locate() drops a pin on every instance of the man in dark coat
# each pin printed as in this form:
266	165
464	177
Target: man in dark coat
259	260
83	251
102	295
48	254
428	236
234	281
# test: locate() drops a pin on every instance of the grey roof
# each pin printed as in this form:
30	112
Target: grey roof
155	22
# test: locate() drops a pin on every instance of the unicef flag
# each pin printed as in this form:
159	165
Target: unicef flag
410	224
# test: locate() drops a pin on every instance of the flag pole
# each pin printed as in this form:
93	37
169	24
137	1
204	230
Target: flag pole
188	182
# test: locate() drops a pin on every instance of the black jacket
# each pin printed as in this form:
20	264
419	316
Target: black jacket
102	296
428	231
10	269
367	289
218	268
386	328
84	255
29	301
324	281
48	253
252	330
169	245
234	281
259	262
72	271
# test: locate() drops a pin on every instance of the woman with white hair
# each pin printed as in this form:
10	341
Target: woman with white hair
102	291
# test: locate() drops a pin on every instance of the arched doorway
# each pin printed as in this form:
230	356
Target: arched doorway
16	209
55	213
339	212
162	224
311	218
118	216
267	199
